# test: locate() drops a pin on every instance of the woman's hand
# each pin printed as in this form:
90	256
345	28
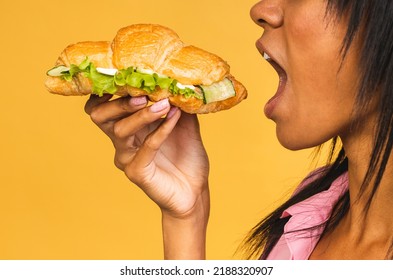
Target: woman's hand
165	157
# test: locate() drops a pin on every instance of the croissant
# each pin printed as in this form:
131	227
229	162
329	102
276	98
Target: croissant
151	60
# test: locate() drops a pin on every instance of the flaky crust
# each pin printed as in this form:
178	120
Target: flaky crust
152	47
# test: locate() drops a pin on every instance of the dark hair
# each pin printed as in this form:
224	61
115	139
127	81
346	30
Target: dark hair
372	21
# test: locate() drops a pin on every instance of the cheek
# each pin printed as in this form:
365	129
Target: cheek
314	60
313	111
318	100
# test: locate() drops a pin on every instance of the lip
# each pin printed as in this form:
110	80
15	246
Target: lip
272	103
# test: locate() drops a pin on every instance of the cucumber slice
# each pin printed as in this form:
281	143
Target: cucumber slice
58	71
218	91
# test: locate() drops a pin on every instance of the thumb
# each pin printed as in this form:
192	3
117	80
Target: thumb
190	124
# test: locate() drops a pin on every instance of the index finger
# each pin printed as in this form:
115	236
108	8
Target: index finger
95	100
113	110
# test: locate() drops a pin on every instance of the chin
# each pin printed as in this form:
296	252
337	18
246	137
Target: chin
296	142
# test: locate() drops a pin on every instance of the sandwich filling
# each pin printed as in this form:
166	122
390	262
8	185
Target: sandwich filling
107	80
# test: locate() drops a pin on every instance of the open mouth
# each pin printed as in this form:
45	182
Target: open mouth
282	75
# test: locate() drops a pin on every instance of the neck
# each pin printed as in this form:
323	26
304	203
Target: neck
367	220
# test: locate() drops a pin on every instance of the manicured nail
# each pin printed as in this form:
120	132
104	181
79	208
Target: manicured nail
159	106
171	112
139	100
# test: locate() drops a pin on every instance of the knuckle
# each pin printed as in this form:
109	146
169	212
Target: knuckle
124	103
146	117
151	143
95	101
131	172
123	159
118	164
119	161
96	116
90	104
119	130
87	108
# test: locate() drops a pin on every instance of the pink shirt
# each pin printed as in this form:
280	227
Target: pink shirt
298	245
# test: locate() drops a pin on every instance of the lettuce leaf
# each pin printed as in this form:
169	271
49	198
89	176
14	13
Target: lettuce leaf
101	83
109	84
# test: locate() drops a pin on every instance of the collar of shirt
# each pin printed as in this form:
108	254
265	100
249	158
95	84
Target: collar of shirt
303	230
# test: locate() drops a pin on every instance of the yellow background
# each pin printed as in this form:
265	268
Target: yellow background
61	196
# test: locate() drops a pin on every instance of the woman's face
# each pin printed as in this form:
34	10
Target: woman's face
315	97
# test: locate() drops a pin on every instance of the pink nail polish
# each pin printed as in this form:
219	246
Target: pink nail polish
159	106
139	100
171	112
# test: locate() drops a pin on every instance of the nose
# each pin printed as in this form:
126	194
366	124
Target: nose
268	13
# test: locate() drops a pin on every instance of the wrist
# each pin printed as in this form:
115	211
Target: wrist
185	236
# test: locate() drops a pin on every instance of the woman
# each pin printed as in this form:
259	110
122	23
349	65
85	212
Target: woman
334	60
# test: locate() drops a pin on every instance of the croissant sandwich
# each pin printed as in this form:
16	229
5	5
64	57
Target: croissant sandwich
151	60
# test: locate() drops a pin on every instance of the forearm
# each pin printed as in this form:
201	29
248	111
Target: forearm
185	237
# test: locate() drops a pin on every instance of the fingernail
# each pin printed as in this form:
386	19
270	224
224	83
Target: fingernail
171	112
159	106
138	100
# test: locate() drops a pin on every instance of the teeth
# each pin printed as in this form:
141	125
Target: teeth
266	56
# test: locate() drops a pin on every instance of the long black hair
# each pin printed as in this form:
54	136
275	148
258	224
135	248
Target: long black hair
372	21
